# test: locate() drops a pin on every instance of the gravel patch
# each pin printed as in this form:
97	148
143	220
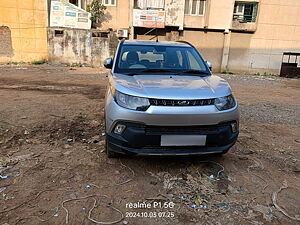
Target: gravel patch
271	113
253	80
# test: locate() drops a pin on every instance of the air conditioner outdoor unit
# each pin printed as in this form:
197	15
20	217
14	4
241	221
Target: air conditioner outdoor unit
122	33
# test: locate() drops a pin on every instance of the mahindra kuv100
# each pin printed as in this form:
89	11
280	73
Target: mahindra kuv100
162	99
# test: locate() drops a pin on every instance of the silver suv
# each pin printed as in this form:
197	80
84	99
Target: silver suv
162	99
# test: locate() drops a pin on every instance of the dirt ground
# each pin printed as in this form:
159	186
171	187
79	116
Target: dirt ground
54	170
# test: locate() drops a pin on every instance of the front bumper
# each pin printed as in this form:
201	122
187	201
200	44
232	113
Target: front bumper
167	115
145	140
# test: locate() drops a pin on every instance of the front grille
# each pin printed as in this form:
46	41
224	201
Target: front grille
168	102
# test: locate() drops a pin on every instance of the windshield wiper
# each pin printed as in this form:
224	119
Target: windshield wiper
154	70
193	72
149	71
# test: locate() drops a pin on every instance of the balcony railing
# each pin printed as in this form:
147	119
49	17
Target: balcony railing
245	23
244	18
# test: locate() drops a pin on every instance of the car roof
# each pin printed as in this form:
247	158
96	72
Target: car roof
156	43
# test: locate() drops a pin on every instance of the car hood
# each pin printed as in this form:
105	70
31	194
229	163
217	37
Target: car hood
171	86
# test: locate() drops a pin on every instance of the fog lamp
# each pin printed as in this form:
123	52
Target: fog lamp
119	129
234	127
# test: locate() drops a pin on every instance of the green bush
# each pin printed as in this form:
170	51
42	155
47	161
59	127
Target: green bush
226	72
265	74
97	10
39	62
13	63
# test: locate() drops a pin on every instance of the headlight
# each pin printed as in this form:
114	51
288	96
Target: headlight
225	103
132	102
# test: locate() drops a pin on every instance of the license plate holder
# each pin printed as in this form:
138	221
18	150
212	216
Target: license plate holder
183	140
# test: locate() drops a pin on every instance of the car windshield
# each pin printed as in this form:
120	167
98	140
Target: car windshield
141	59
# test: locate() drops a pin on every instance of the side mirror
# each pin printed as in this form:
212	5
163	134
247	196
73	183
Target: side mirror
108	63
209	64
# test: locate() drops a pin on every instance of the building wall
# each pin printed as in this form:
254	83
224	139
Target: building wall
174	13
78	46
23	29
239	50
118	16
210	45
194	21
278	31
220	14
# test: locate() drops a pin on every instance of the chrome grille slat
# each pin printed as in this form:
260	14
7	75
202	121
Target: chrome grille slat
194	102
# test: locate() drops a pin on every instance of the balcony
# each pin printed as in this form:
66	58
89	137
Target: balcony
245	16
244	23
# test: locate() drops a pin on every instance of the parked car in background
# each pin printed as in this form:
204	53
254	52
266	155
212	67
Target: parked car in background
162	99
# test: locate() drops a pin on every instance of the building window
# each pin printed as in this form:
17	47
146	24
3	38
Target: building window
245	12
149	4
74	2
194	7
79	3
109	2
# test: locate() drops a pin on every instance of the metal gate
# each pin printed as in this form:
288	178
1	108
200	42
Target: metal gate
290	66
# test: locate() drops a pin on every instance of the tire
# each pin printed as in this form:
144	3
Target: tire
110	154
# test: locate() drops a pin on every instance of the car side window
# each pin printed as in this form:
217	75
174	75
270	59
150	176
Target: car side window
180	58
194	65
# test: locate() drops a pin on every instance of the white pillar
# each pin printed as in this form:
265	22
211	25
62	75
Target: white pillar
131	36
226	48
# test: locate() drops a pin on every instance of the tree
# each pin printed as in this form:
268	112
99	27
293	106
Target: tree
97	10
